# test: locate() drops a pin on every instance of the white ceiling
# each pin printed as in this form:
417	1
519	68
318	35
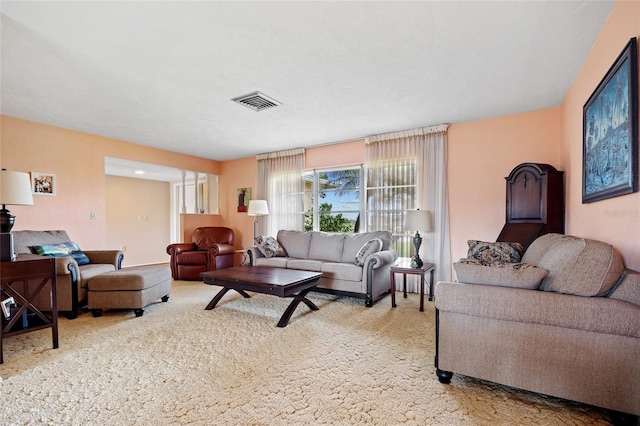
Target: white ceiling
163	73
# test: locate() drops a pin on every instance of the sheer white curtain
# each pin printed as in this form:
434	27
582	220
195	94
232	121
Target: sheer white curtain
395	162
280	182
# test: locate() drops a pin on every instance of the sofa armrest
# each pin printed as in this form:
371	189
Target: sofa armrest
65	265
221	249
594	314
177	248
382	258
113	257
254	253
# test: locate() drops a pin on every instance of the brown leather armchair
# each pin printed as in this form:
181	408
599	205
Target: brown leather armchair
211	248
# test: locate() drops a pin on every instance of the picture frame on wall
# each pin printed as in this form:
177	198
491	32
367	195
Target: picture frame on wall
244	196
43	183
610	131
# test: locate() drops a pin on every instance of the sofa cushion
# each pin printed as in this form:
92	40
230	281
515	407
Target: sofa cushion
305	264
89	271
24	240
276	262
191	258
342	271
206	236
353	243
269	247
494	252
628	288
296	243
326	246
576	265
372	246
539	247
504	274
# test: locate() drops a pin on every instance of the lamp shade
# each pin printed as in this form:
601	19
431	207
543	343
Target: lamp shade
417	220
258	208
15	188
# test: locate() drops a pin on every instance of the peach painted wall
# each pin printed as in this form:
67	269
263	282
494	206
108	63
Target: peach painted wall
77	160
236	174
615	220
138	219
340	155
480	155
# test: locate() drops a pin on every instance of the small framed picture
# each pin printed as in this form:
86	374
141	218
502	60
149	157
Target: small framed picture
244	196
6	307
43	183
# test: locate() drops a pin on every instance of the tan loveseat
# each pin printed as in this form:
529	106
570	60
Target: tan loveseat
71	279
575	334
335	256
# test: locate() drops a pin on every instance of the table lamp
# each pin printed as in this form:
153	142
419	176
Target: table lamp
257	208
417	220
15	189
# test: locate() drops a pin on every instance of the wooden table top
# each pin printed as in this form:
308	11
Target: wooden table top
261	275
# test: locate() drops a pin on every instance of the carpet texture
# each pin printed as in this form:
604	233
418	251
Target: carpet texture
179	364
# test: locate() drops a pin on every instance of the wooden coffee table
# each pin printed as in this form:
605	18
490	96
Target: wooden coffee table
267	280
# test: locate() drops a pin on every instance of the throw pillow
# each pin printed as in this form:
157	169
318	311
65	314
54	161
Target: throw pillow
503	274
62	250
494	252
370	247
269	247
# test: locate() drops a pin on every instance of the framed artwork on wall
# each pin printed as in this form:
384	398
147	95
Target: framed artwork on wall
610	131
43	183
244	196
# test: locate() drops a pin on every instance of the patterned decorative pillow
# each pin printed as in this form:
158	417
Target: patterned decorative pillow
61	250
504	274
270	247
494	252
370	247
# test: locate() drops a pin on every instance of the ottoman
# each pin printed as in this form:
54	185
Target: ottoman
128	288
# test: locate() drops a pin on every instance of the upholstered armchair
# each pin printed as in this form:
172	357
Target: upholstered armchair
211	248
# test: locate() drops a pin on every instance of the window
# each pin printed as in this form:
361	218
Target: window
333	200
391	191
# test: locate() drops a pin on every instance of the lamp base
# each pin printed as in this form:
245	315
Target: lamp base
6	247
6	220
416	262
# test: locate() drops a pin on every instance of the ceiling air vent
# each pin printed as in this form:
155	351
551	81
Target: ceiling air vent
256	101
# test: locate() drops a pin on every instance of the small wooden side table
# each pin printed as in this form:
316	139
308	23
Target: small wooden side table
25	268
403	266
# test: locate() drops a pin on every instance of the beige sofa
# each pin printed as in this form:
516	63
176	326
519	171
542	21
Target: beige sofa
575	334
334	255
71	279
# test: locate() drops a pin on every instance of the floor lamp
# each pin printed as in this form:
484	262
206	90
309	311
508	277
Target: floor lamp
257	208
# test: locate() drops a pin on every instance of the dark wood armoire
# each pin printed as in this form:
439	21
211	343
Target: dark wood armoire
535	203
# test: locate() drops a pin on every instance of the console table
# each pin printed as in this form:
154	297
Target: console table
24	279
403	266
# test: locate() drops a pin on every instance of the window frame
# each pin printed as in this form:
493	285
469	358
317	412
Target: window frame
315	194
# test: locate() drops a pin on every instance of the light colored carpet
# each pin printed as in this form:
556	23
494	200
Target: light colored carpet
179	364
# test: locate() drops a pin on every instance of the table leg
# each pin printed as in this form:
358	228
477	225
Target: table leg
421	292
221	293
393	290
431	286
404	285
300	297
